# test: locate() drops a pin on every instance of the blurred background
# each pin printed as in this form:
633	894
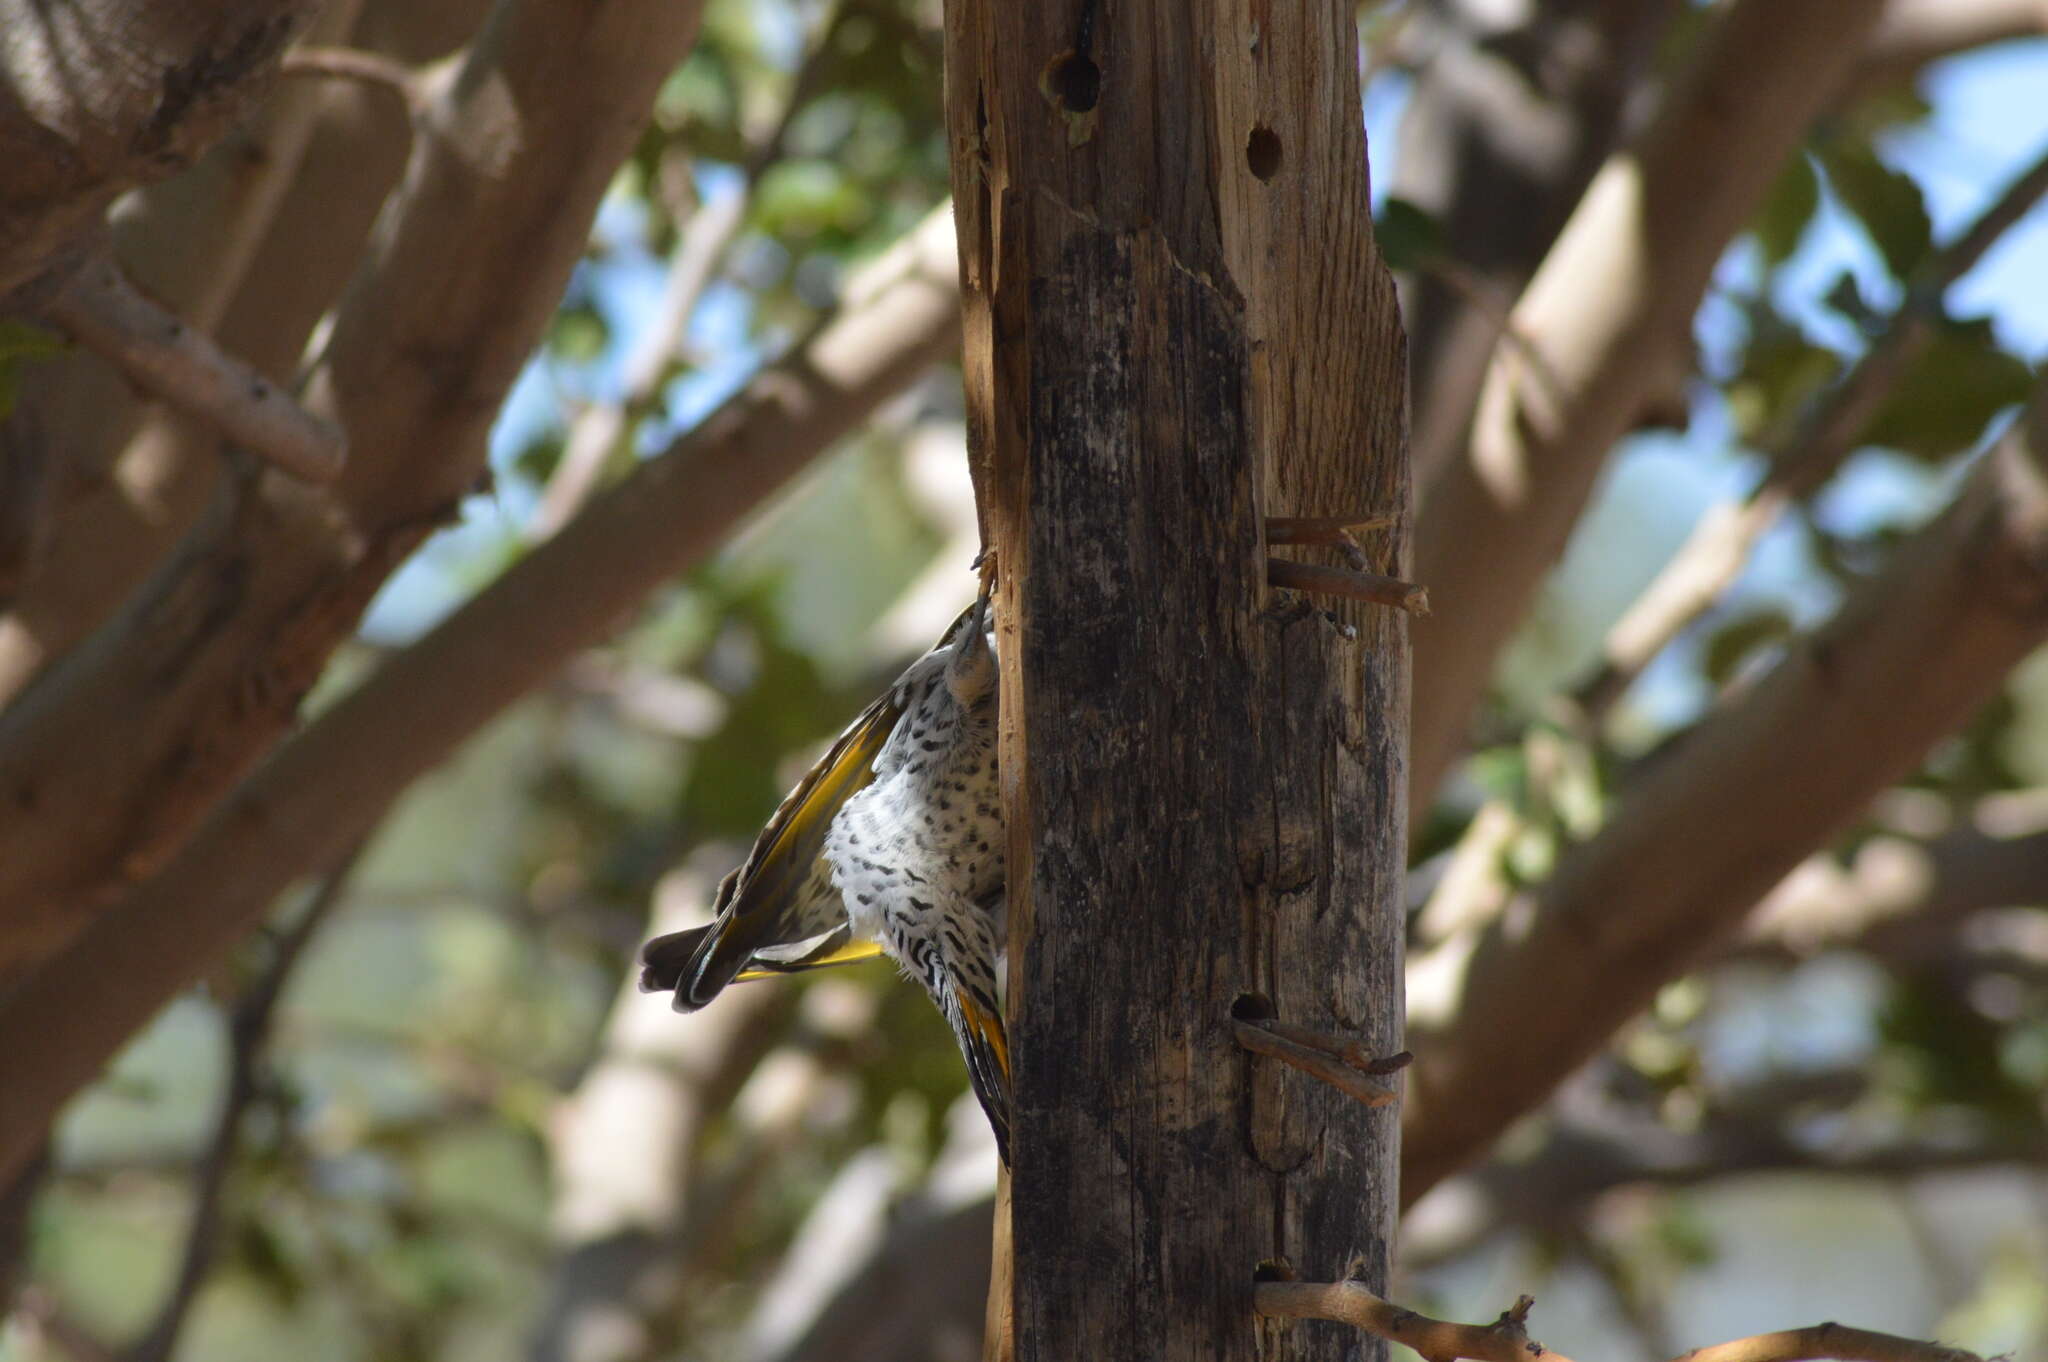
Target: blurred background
454	1131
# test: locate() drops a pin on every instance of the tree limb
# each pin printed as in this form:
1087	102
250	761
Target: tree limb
252	245
99	307
1533	982
1505	127
1613	298
1712	557
1914	33
336	777
130	741
107	94
373	69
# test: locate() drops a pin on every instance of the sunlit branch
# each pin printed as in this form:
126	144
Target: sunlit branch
97	306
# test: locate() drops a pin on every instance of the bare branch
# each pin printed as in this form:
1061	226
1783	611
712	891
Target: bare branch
335	778
1504	1340
1711	559
1497	154
1346	1078
1507	1340
1369	587
102	310
1914	33
251	245
495	210
1531	983
87	114
373	69
1610	303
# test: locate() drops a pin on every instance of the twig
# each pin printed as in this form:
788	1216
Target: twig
1504	1340
1348	1049
1507	1338
97	306
248	1038
1711	559
1327	531
1353	1082
597	430
350	63
1370	587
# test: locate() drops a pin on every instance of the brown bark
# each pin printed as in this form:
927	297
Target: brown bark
1541	979
128	742
253	245
333	780
1501	136
99	95
1177	322
1596	331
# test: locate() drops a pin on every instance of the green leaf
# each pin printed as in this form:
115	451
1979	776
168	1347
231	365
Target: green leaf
807	197
1886	201
1739	640
1845	296
1409	237
1944	402
579	333
1787	209
1781	369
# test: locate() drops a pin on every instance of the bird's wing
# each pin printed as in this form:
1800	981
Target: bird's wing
836	947
764	909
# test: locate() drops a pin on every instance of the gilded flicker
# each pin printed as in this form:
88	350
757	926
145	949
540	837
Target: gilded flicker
892	844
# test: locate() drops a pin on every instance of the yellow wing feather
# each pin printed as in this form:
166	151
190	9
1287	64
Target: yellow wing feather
765	901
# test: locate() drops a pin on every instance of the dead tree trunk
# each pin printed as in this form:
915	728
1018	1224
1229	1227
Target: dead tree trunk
1177	325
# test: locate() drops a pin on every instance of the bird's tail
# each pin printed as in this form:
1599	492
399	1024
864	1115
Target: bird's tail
986	1047
699	962
668	961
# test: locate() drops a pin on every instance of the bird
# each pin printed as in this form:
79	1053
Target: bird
892	844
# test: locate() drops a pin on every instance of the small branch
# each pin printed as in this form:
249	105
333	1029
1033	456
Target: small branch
1347	1049
1507	1338
1327	531
99	307
1370	587
1318	1060
248	1038
367	68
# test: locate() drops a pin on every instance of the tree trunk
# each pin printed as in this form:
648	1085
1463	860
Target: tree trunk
1176	324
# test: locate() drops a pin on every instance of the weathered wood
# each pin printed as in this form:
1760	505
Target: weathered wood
1176	324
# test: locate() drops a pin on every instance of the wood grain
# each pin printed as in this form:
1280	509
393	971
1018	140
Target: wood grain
1177	323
